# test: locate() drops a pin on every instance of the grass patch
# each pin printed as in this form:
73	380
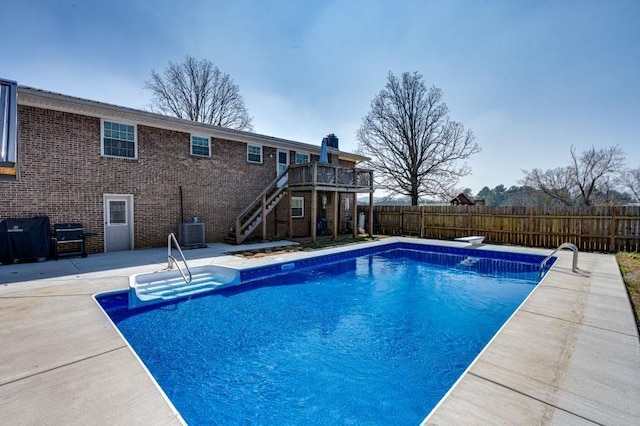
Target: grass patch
325	242
630	267
305	244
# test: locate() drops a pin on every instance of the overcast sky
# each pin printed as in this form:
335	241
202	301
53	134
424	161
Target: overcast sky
529	78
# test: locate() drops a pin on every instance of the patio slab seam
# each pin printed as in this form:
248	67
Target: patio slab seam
67	364
577	322
557	287
47	295
554	406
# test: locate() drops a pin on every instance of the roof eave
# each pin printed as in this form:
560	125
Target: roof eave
30	96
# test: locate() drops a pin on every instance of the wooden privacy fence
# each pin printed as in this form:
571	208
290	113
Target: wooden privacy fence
600	229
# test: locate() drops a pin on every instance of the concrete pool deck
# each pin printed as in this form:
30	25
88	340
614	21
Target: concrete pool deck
569	355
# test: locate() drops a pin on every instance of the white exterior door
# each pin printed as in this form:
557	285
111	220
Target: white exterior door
118	222
282	163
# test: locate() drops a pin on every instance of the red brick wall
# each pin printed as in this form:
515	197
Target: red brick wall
302	226
62	175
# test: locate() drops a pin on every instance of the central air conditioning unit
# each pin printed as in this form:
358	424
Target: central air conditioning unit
191	234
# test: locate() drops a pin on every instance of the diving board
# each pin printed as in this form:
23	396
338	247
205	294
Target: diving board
474	240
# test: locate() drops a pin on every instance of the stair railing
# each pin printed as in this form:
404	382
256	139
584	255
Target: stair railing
171	260
241	222
570	246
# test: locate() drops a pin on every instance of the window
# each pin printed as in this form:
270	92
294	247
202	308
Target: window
8	121
200	146
297	207
119	140
117	213
302	158
254	153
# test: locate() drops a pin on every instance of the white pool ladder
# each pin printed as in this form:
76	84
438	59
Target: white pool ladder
171	261
570	246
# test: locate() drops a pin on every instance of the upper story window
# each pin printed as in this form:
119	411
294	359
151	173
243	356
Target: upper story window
8	123
200	146
302	158
254	153
119	140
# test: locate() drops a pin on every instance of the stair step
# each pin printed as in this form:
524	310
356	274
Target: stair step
255	211
177	282
179	291
160	286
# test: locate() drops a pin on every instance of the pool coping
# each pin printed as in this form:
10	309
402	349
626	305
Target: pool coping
541	367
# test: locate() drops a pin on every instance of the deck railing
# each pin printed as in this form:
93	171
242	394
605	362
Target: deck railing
256	212
325	175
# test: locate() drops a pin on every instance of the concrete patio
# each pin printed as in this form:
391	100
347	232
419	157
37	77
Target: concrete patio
570	355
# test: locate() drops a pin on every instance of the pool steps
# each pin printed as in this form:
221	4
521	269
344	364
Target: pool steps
157	287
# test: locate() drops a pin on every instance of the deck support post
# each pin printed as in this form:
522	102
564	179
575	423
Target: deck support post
314	214
354	222
290	232
371	214
263	217
237	229
336	203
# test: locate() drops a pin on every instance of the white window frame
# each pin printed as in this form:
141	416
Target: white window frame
9	121
261	152
135	139
307	156
191	145
301	207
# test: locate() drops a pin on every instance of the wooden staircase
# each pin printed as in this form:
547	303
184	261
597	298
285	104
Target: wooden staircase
256	212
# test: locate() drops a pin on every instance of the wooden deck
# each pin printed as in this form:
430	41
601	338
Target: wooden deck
309	177
326	177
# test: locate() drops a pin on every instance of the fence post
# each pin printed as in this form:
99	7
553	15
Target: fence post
401	221
530	227
612	238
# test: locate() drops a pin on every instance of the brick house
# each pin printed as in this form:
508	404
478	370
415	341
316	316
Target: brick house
131	177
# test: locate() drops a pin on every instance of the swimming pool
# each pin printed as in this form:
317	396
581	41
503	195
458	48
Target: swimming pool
374	336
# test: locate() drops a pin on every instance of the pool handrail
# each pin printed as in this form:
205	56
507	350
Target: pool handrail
570	246
172	260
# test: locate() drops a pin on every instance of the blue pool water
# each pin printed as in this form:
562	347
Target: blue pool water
375	339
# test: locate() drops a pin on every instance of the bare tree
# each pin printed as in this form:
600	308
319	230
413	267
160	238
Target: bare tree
588	179
414	146
594	167
630	179
555	183
197	90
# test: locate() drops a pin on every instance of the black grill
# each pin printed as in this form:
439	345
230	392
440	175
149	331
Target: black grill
69	235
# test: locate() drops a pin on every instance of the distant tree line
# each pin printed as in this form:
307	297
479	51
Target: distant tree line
528	197
597	176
